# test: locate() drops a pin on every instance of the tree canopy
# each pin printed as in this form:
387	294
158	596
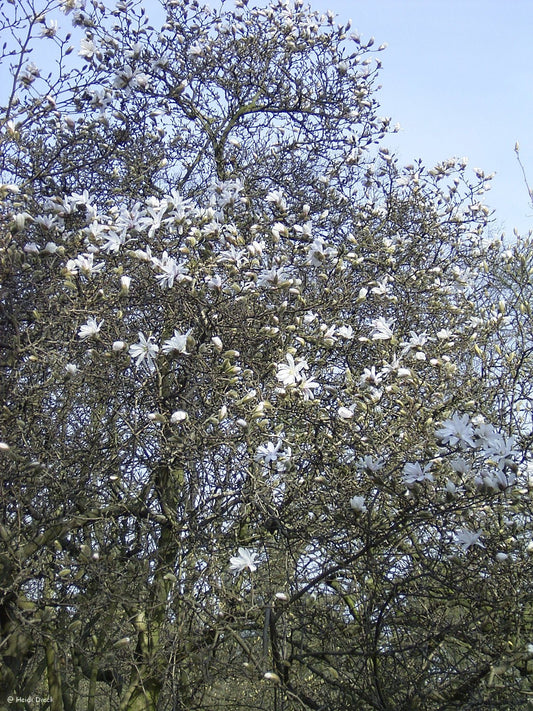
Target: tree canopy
266	393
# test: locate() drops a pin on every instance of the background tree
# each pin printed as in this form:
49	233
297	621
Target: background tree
266	393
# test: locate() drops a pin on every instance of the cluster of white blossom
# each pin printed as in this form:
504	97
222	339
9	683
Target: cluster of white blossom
164	235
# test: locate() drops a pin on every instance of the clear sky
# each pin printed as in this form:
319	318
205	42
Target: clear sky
458	77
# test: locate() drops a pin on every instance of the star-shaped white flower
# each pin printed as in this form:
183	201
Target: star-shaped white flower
144	352
89	329
290	373
457	430
178	343
414	473
382	329
245	559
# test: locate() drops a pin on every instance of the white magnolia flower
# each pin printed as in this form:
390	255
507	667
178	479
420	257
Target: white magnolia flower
84	263
456	431
345	332
394	367
370	464
318	252
345	413
414	473
460	465
279	230
256	248
87	48
177	344
141	80
214	282
233	255
466	538
290	373
267	453
171	271
276	196
358	504
450	488
274	277
306	387
502	449
310	316
496	479
273	453
245	559
383	287
50	28
417	340
178	416
196	50
272	676
30	73
382	329
89	329
485	432
144	352
123	78
71	368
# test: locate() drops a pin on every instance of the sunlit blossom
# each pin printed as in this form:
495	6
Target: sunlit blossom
382	329
87	48
457	430
306	388
144	352
267	453
171	271
85	265
245	559
415	473
177	344
345	332
276	197
318	253
290	373
89	329
270	453
50	28
370	376
417	340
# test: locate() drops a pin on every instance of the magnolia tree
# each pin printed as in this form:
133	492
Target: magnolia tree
266	393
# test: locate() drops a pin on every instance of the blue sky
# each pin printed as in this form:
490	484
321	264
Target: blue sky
458	77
